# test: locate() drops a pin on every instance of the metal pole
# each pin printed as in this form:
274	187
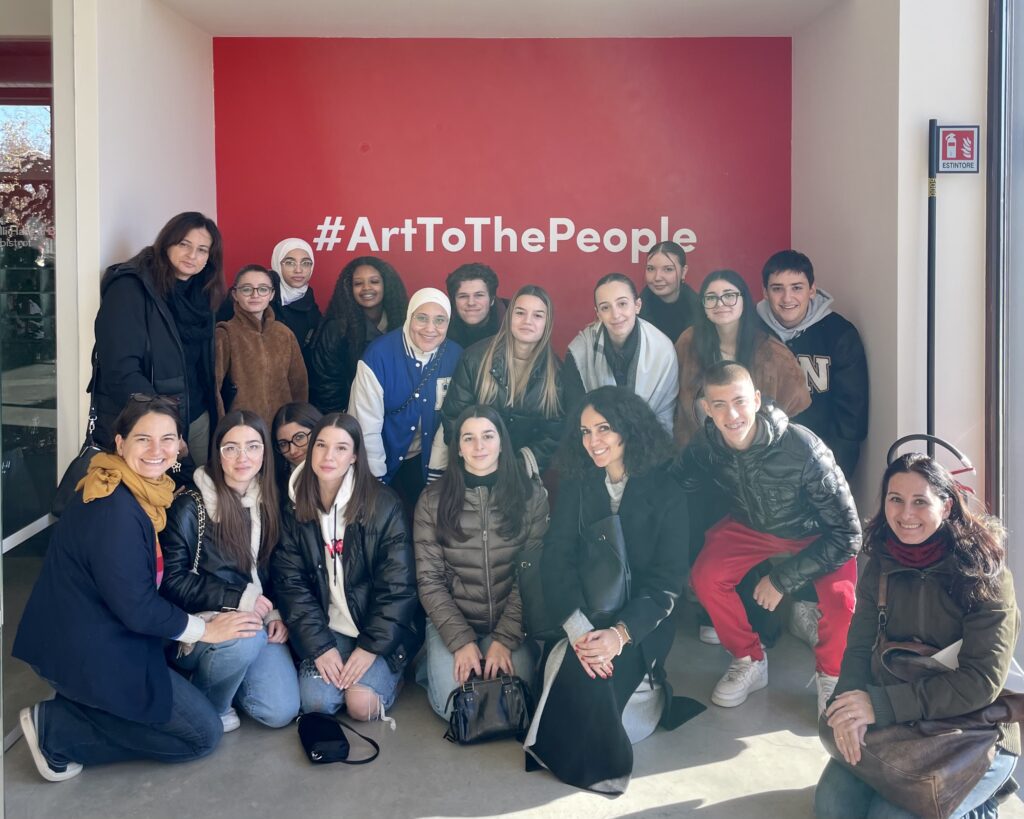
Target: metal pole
933	170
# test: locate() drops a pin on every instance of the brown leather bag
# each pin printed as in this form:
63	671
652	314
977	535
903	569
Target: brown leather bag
926	767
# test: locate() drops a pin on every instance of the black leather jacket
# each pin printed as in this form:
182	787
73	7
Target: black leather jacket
526	424
786	484
331	367
211	583
380	584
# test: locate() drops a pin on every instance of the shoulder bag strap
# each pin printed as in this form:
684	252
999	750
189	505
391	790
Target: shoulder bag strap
201	527
428	372
372	743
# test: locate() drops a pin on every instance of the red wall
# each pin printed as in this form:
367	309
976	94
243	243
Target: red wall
607	133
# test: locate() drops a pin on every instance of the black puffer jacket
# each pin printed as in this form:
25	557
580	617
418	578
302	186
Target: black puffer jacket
527	424
786	484
139	349
380	584
211	583
331	367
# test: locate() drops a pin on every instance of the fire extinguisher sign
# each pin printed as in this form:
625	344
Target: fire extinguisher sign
958	149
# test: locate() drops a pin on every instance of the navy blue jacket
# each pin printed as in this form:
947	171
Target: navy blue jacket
94	625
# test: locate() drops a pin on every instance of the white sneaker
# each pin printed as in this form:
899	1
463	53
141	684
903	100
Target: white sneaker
29	717
744	676
826	688
707	634
803	622
229	719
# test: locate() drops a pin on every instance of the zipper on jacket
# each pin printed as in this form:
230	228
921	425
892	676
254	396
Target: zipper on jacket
484	502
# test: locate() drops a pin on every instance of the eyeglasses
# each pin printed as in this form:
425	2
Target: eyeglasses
422	320
291	264
247	290
298	440
729	298
232	452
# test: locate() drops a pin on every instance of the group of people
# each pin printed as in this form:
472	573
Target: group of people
363	484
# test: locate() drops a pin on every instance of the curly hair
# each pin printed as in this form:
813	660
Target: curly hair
343	306
976	542
752	329
647	443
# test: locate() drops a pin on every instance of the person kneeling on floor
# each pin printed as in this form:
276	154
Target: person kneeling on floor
786	496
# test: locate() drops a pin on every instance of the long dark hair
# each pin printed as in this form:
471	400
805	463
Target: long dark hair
343	306
976	542
511	490
646	442
155	257
362	504
297	412
231	531
752	329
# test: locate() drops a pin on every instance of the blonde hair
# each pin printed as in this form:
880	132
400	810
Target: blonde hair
543	355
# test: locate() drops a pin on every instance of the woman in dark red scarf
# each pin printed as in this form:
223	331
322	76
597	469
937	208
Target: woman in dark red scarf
947	585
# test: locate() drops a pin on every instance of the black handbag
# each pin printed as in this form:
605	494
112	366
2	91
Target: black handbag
80	465
323	739
482	710
604	572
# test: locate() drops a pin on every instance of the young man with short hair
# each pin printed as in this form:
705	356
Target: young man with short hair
786	498
829	350
476	309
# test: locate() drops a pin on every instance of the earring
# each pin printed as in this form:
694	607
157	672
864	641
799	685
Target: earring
176	467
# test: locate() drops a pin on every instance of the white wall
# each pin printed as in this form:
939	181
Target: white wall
133	109
867	75
845	204
26	19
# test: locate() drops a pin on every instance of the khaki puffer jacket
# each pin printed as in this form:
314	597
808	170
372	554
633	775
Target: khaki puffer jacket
469	589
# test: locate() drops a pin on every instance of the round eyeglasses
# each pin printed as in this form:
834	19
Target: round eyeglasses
232	452
729	298
291	264
260	290
422	320
298	440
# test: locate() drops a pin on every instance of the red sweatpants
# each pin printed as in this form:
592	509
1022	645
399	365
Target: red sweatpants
730	551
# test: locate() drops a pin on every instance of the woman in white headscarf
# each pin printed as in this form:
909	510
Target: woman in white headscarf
400	385
295	305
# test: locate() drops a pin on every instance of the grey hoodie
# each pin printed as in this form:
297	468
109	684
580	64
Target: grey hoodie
820	306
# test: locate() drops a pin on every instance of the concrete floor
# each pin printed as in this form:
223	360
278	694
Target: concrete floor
761	759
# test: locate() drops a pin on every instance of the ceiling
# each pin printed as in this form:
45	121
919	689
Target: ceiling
500	18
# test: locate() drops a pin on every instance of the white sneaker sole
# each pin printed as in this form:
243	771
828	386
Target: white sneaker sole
28	729
708	636
738	698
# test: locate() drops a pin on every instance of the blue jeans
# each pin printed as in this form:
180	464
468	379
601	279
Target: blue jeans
440	668
72	732
318	695
258	676
842	795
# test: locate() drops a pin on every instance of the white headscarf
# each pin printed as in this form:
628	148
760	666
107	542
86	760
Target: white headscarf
282	249
426	295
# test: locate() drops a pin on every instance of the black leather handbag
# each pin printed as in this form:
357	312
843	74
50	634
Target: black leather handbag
323	739
483	710
604	571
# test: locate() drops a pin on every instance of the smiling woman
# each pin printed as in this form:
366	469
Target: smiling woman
154	328
259	363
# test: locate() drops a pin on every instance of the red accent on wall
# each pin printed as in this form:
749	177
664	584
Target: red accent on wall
608	133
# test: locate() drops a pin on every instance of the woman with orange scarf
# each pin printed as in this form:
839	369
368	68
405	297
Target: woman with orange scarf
94	626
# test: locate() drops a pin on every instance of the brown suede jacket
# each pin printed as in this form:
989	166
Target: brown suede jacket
263	362
775	371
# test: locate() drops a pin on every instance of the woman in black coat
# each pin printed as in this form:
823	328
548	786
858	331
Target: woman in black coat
369	300
518	374
217	546
154	329
616	483
345	578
